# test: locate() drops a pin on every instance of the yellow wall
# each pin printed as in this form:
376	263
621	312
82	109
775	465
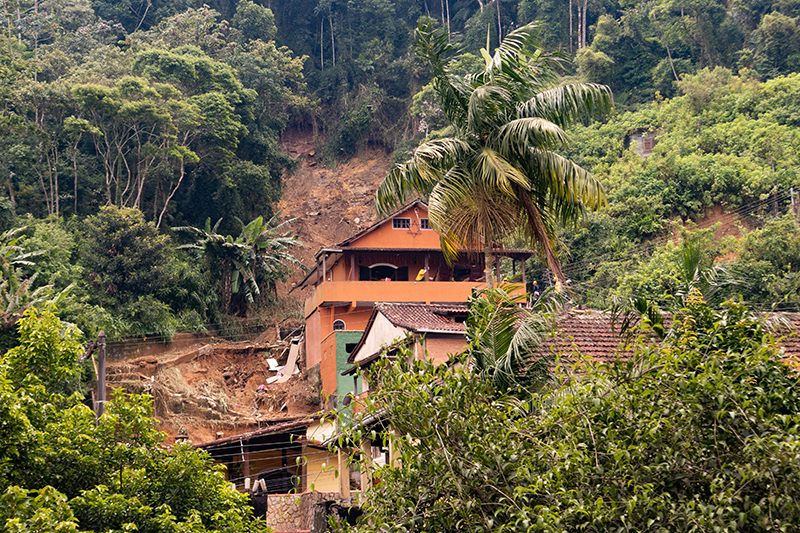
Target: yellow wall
321	470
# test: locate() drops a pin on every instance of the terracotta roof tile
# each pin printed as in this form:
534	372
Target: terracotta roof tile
586	333
425	317
590	333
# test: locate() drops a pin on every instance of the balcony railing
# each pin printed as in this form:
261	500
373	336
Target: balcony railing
362	293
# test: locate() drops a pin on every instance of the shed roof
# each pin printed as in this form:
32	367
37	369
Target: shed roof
269	430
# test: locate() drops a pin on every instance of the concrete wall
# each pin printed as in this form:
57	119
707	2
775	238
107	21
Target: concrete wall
321	468
334	361
382	333
144	347
367	292
313	338
354	318
386	236
344	384
439	347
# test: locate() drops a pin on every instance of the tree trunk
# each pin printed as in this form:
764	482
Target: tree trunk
570	26
171	194
333	43
540	234
585	20
447	5
11	191
488	264
499	24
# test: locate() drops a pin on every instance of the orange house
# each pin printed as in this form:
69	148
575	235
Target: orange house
399	259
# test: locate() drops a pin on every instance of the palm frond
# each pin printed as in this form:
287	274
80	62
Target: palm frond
485	103
505	339
468	214
518	136
418	175
498	173
569	186
521	41
567	104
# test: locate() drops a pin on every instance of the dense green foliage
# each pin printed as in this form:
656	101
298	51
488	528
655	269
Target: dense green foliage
253	261
63	471
728	142
180	121
177	109
696	433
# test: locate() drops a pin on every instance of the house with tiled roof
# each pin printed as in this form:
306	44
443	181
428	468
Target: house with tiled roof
431	331
399	259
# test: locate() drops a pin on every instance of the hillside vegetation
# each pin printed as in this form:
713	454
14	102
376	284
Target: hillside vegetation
121	122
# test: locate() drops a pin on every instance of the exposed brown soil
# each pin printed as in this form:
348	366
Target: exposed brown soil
729	223
212	387
330	204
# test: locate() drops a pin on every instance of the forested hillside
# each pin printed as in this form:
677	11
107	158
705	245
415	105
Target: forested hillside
129	129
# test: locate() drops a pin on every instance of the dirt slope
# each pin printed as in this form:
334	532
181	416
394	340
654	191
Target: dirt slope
330	204
212	387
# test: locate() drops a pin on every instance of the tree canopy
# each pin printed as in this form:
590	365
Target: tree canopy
697	432
63	471
498	173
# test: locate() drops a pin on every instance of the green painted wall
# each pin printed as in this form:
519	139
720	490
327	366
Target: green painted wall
344	384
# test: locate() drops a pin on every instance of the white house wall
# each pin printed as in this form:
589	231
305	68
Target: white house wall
381	334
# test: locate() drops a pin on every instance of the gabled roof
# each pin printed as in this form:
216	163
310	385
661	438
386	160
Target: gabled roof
384	220
586	333
425	318
577	333
590	333
416	318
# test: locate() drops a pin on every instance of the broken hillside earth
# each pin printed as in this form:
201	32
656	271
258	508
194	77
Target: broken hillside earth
330	204
213	387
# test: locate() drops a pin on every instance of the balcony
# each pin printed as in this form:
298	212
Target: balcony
364	293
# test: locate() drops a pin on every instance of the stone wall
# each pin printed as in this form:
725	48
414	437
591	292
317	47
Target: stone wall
294	512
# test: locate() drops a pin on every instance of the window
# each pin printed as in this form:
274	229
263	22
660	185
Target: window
401	223
338	325
382	272
424	224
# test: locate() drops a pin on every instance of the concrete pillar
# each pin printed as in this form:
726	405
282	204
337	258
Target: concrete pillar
344	476
366	465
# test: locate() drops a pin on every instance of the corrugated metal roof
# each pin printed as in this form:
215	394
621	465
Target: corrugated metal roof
269	430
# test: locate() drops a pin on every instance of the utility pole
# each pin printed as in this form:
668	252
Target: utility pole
101	374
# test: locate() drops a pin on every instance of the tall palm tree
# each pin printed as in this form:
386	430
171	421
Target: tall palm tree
498	174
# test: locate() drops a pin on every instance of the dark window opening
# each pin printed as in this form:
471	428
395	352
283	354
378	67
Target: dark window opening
348	347
461	273
382	273
339	325
401	223
424	224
